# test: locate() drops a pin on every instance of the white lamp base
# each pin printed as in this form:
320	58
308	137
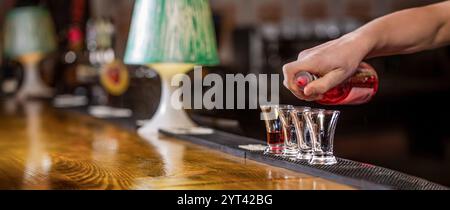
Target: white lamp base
167	117
33	86
176	120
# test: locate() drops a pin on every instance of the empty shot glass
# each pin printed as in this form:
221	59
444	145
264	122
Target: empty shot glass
302	132
275	136
322	126
290	137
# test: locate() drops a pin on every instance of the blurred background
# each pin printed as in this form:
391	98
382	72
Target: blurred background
403	128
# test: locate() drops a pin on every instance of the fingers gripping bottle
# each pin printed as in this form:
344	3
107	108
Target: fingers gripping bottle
358	89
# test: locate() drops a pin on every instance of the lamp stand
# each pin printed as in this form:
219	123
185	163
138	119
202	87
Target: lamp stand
32	86
167	117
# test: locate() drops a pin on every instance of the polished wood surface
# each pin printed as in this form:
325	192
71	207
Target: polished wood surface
41	148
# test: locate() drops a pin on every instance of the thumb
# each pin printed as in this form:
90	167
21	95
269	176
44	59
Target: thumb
327	82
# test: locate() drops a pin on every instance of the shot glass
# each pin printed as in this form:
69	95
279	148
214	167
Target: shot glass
302	132
290	137
322	126
275	135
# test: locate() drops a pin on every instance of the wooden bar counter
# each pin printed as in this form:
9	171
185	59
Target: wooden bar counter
44	148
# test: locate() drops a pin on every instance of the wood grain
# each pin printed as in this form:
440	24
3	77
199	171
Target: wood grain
41	148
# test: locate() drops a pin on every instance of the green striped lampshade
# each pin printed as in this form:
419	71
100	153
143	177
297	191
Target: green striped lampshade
28	30
172	31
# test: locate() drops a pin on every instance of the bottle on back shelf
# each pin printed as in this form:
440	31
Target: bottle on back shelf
358	89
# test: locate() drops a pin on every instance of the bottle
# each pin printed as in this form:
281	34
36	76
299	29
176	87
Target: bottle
358	89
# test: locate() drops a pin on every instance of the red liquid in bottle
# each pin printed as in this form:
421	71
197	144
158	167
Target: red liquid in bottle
275	138
358	89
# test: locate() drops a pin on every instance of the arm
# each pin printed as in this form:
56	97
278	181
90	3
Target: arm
403	32
410	30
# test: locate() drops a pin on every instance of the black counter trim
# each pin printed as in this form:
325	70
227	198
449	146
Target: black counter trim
359	175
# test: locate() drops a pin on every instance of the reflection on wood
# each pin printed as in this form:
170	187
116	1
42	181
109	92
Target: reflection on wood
41	148
37	160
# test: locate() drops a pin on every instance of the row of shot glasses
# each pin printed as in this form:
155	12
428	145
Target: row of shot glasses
301	133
